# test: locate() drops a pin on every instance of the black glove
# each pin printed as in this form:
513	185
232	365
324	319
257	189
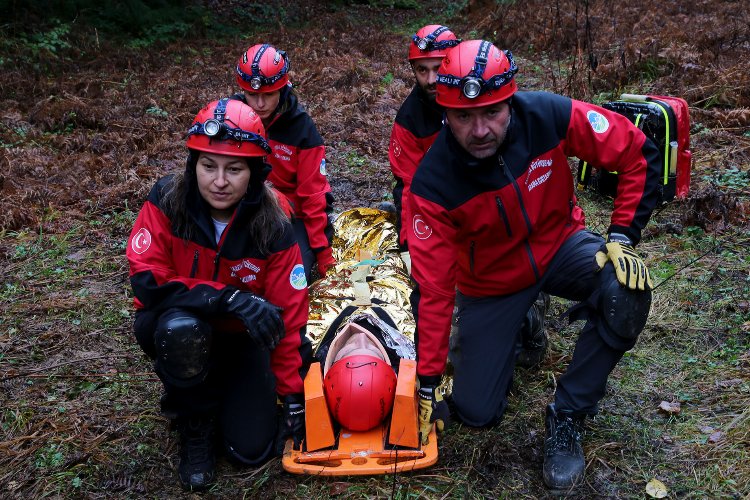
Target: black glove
261	318
292	423
432	408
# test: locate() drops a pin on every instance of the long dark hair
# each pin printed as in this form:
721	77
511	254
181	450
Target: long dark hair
265	225
285	102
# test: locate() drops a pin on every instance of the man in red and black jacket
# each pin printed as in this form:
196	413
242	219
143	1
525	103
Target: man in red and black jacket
417	124
418	121
494	215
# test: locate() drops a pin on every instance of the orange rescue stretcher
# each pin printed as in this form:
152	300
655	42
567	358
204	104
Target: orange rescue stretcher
392	447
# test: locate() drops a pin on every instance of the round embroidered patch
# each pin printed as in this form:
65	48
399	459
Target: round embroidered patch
297	277
421	229
598	122
141	241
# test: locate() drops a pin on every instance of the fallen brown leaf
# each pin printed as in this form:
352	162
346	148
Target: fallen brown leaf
670	408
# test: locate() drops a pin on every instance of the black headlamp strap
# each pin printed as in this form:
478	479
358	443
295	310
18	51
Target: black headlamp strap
221	110
433	36
504	78
284	69
431	43
255	78
255	66
480	62
223	132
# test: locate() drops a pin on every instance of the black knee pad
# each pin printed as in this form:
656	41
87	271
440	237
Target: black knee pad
183	348
623	311
250	458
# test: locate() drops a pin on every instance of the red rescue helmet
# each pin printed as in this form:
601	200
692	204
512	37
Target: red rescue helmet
228	127
433	40
262	69
359	391
474	74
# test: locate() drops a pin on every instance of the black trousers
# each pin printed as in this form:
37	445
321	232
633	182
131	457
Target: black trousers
483	348
239	388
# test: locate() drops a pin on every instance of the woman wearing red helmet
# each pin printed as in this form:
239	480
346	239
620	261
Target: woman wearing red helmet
221	296
298	152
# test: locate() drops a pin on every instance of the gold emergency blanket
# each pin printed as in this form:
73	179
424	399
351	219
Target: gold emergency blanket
369	271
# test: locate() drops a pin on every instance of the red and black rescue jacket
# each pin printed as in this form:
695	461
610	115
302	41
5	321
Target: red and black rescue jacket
418	122
491	227
299	171
168	271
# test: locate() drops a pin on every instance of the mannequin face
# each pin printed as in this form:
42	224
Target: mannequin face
358	343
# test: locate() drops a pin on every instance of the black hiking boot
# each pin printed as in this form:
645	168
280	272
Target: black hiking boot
564	462
197	468
533	334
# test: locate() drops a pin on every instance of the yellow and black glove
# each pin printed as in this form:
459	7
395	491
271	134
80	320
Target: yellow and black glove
432	409
630	270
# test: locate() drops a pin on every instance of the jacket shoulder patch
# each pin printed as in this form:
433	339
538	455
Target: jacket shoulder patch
598	122
141	241
297	277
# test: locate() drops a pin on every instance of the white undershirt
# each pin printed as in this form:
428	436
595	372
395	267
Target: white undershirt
219	228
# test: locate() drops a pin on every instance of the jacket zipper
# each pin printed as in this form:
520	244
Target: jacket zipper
194	269
503	215
216	265
512	179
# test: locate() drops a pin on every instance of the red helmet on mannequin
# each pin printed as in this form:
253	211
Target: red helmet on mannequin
228	127
359	391
262	69
433	40
474	74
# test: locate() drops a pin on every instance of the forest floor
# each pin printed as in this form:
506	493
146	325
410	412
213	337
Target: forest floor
88	122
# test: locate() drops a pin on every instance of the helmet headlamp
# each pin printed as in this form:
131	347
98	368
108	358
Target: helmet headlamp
217	129
431	42
472	87
212	127
255	82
